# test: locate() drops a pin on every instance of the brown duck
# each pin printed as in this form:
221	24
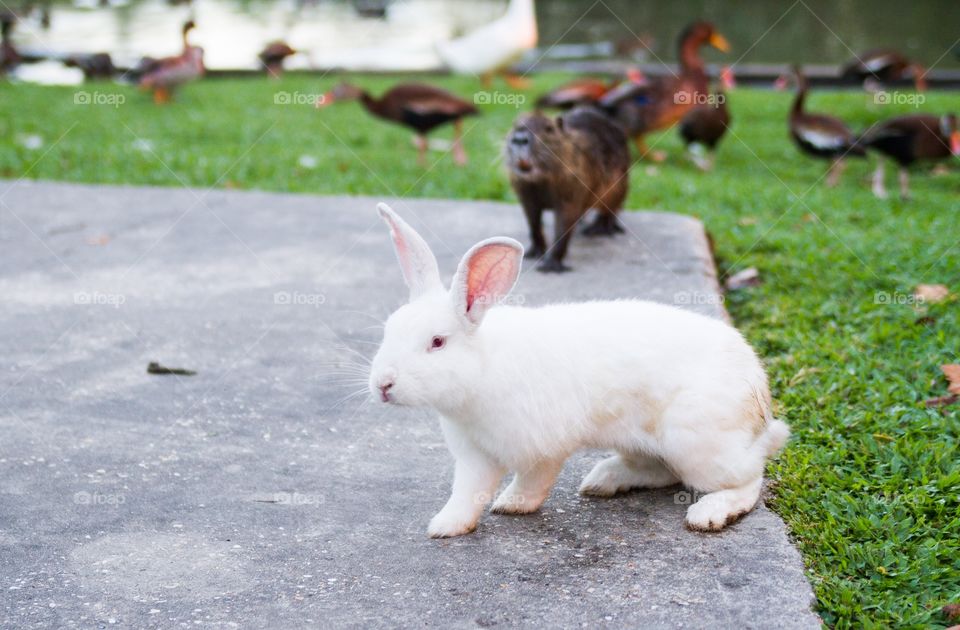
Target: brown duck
417	106
272	56
584	90
884	65
908	139
661	102
705	125
164	75
9	57
820	135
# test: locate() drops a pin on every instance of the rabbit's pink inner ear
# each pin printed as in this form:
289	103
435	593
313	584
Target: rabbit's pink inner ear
492	272
417	262
403	252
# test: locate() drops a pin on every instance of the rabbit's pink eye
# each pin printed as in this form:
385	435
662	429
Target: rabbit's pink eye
437	342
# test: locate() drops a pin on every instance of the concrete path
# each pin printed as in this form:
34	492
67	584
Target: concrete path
255	493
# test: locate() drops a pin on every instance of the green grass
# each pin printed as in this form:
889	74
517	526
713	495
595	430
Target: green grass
870	484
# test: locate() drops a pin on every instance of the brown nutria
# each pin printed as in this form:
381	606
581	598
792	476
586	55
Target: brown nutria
567	164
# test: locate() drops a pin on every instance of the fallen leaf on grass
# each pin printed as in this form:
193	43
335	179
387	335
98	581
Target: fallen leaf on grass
749	277
745	221
952	372
941	401
932	293
883	437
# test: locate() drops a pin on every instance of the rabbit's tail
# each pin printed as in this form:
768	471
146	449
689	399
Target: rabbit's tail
774	437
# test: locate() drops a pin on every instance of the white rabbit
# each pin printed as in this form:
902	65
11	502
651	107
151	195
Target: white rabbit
681	397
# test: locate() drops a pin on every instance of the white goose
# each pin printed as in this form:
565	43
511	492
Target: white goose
493	47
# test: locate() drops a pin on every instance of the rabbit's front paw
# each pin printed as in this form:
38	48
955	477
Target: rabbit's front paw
509	503
712	513
718	509
708	516
447	524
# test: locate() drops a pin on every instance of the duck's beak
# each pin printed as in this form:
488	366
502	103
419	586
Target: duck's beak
955	143
719	42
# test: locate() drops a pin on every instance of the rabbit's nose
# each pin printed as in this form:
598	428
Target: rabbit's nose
385	390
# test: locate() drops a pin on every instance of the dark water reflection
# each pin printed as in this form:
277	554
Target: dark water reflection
807	31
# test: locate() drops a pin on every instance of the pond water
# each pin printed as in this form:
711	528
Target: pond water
335	33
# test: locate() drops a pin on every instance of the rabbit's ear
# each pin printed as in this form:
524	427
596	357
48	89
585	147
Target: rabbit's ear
486	274
417	262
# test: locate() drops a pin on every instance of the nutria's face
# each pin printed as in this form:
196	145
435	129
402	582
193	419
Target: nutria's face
534	147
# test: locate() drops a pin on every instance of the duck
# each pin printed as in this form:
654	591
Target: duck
820	135
417	106
908	139
884	65
164	75
493	47
576	92
704	125
9	57
272	56
662	102
94	66
584	90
